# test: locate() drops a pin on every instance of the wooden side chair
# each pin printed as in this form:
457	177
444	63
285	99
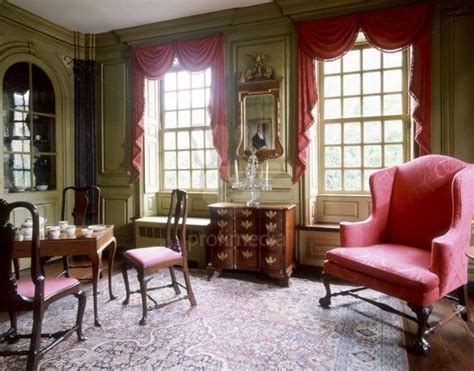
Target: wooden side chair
86	209
33	293
149	260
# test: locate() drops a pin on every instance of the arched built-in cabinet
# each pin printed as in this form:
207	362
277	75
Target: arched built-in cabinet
38	127
29	130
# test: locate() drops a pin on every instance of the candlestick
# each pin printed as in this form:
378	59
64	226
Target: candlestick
266	174
236	170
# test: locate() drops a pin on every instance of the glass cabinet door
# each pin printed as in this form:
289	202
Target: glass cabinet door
29	127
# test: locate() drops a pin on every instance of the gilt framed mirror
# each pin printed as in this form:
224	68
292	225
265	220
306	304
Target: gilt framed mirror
259	99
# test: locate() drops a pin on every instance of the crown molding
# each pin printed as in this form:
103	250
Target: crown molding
202	24
299	10
31	22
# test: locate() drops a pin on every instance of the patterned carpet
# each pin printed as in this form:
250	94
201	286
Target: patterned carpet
240	323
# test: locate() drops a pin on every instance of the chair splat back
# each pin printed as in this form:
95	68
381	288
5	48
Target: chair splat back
86	210
176	223
7	236
86	201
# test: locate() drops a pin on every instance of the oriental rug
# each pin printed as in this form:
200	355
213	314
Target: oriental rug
241	322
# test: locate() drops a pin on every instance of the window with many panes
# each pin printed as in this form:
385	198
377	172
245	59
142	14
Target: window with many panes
363	117
188	157
29	125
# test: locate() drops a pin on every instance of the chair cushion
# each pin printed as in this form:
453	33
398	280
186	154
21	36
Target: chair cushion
151	256
52	286
396	264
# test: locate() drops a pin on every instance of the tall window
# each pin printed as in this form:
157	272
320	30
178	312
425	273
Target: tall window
364	117
186	155
29	147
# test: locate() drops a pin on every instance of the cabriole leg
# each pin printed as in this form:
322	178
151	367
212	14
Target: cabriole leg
462	295
421	345
325	301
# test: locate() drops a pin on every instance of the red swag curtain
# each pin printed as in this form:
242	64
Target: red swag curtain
152	62
389	29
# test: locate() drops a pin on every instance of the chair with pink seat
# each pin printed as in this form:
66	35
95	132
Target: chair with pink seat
413	244
149	260
34	293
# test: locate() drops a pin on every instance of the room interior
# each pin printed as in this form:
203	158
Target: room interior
92	59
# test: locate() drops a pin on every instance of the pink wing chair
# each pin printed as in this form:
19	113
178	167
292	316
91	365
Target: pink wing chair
413	245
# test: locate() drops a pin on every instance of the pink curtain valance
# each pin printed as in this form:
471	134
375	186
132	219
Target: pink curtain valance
152	62
390	29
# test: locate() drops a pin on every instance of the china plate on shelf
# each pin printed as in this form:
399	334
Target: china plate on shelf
97	227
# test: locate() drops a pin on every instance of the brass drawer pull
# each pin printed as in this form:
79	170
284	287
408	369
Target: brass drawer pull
222	256
246	238
270	214
271	227
271	241
270	260
246	212
221	223
222	212
221	238
246	224
247	254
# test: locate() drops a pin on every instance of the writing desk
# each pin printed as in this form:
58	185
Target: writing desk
78	245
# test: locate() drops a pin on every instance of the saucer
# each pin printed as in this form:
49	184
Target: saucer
97	227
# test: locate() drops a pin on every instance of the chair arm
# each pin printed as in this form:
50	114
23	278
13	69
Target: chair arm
364	233
448	253
449	261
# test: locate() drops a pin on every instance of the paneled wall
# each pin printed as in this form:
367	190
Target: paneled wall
268	29
113	113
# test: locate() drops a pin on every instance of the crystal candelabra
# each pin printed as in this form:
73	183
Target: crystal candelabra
251	182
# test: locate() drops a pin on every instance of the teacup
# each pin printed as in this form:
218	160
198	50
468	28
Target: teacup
54	233
18	236
86	232
62	225
71	230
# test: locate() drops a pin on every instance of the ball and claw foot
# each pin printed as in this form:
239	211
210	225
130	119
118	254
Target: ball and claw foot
420	346
325	302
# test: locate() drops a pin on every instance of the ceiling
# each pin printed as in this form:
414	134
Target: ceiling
96	16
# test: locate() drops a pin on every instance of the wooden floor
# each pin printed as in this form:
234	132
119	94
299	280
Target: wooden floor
452	345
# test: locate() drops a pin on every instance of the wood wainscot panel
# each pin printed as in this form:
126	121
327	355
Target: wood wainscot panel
114	117
341	208
315	244
117	212
334	209
149	204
